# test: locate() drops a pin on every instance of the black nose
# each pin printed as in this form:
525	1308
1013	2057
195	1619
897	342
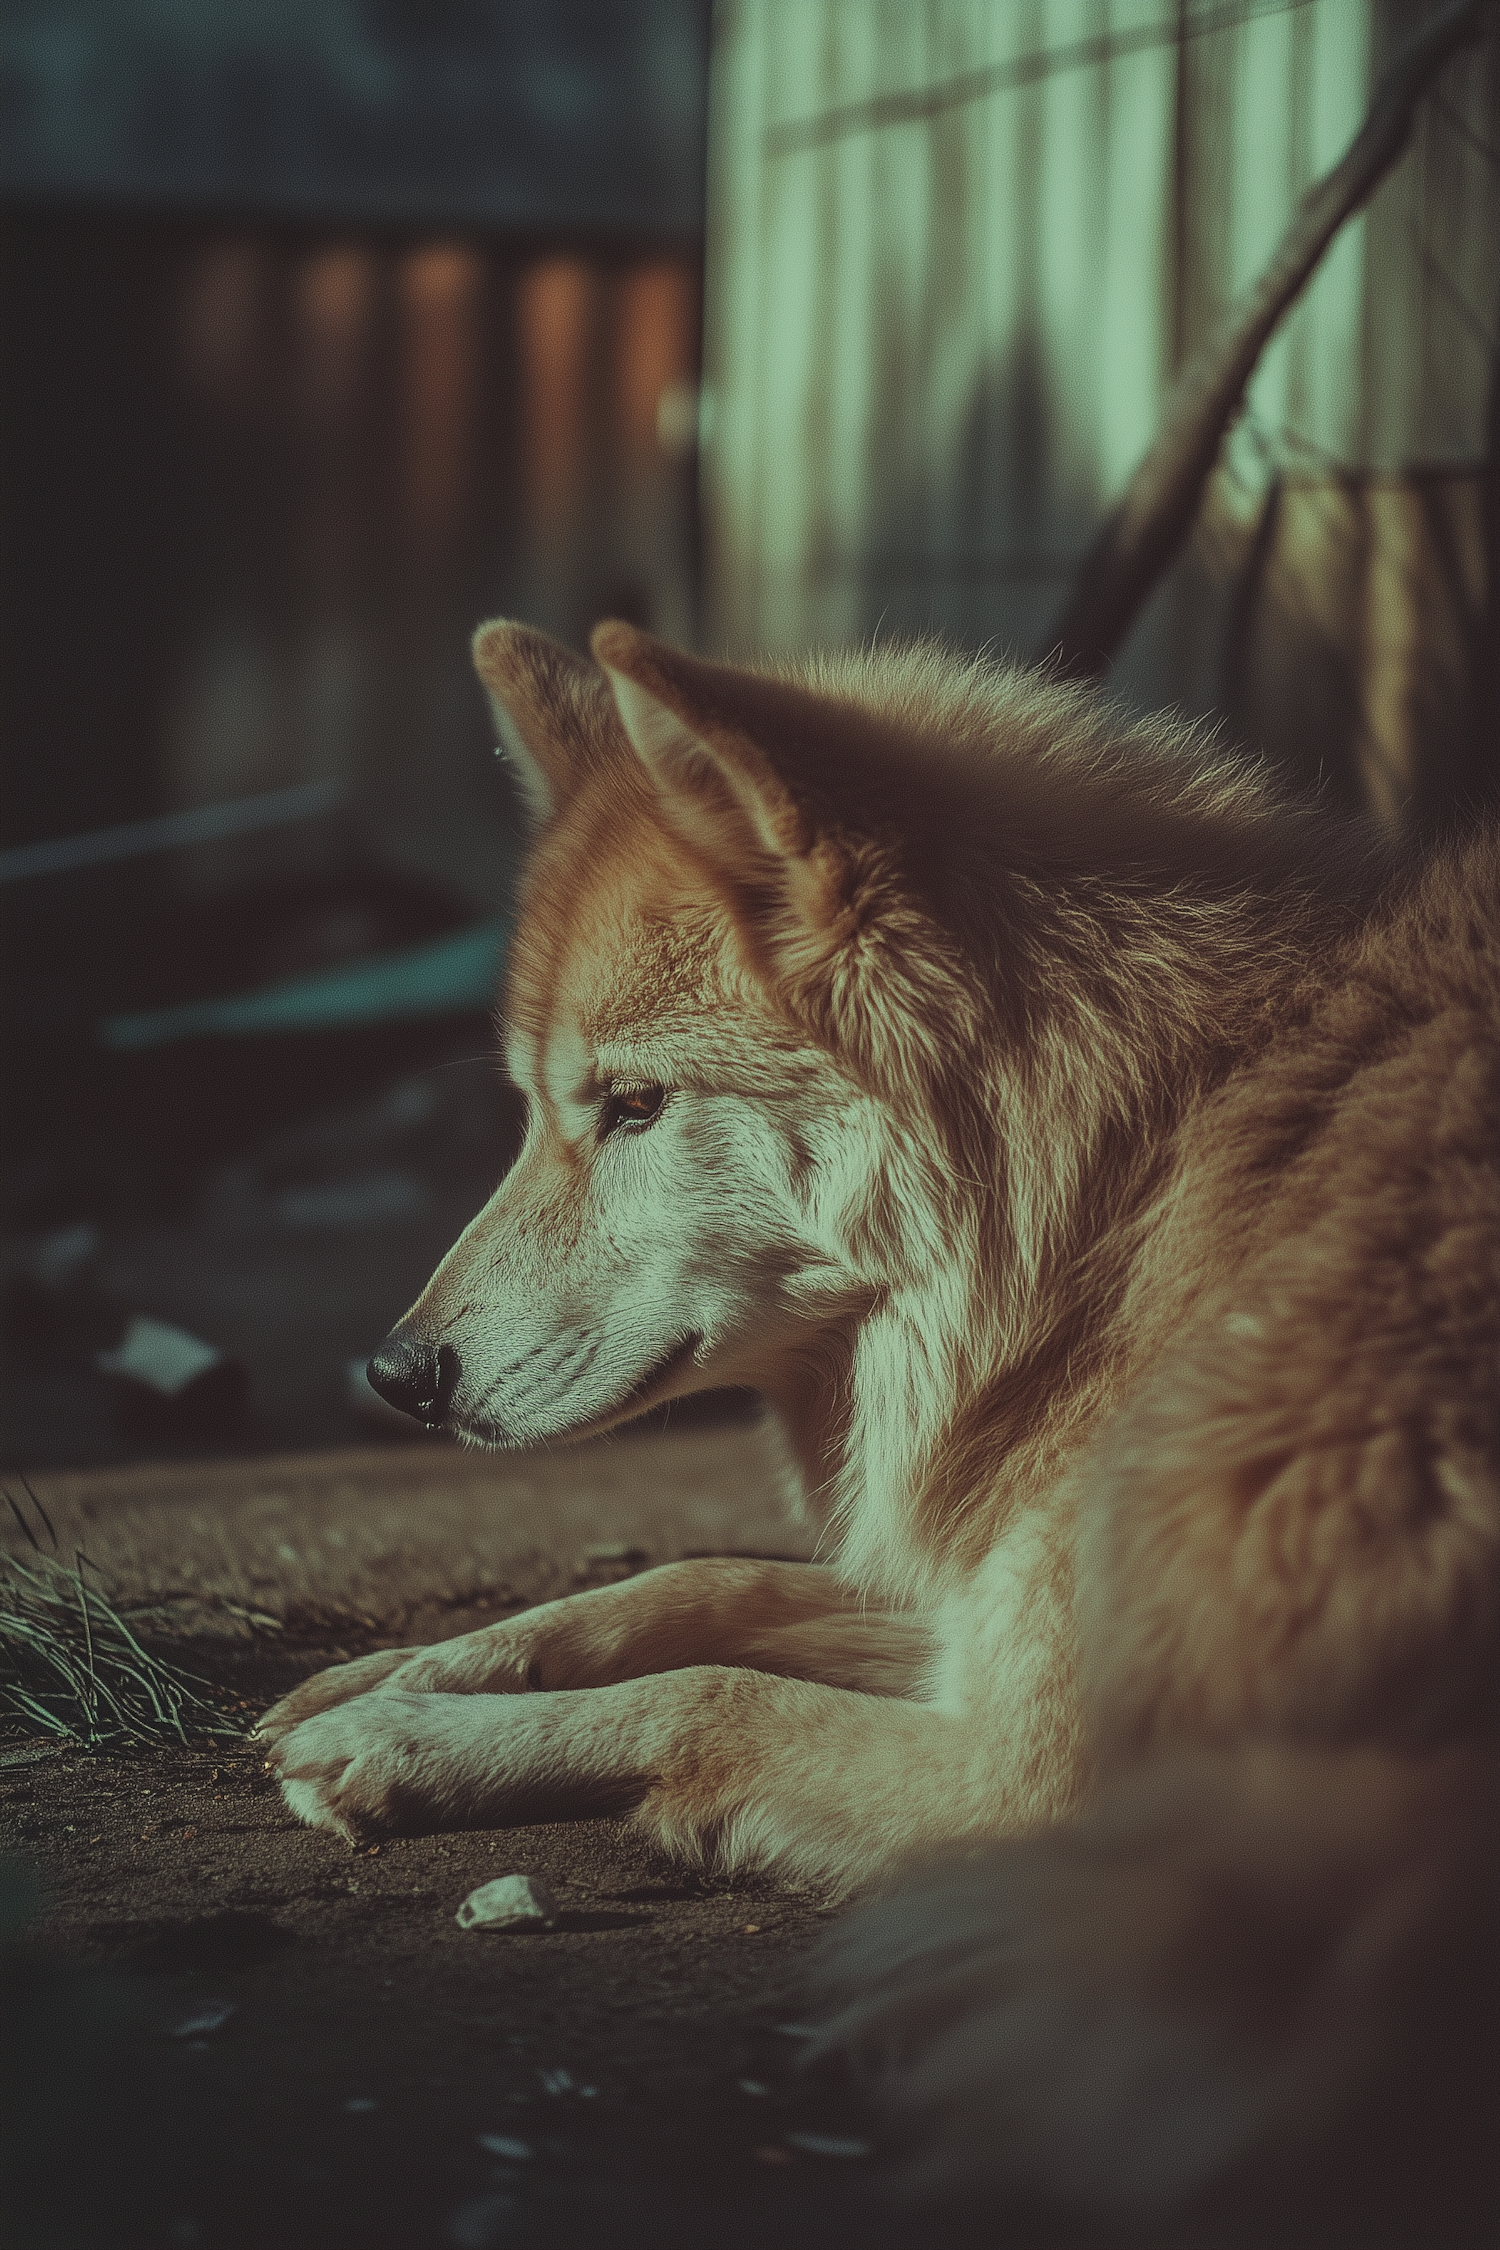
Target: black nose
416	1378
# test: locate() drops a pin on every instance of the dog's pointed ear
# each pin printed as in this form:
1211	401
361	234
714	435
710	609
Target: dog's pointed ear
733	756
538	691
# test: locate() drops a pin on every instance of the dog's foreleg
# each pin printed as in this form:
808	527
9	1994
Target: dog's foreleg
729	1766
711	1609
877	1651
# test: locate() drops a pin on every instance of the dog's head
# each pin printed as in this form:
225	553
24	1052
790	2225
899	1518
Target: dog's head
724	1003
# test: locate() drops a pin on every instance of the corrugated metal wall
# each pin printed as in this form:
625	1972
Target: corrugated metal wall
958	249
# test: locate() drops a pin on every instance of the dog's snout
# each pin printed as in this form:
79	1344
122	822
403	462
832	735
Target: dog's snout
417	1377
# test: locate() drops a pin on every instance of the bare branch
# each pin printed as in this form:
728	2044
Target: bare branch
1144	531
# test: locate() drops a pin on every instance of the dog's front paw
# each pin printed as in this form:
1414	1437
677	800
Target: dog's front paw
394	1764
326	1689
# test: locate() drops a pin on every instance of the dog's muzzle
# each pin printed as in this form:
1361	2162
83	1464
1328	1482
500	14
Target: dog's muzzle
416	1377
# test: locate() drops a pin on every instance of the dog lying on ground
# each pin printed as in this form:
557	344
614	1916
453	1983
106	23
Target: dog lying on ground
1094	1158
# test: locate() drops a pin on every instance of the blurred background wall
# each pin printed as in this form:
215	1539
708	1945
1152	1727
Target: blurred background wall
332	326
957	254
327	328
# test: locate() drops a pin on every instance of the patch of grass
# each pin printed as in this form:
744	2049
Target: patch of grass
72	1668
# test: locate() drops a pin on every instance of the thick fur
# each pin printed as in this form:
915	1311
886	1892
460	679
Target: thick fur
1095	1160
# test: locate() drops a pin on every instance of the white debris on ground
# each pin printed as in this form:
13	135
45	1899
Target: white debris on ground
511	1902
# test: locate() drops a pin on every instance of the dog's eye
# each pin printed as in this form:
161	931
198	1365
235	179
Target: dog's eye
631	1107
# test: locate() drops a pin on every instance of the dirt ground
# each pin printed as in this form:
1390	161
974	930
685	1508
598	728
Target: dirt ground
305	2048
230	2031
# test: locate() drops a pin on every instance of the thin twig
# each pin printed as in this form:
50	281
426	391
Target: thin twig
1145	530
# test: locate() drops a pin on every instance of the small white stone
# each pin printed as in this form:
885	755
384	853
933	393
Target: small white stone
511	1902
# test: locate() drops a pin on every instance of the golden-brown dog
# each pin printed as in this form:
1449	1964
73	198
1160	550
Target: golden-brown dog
1094	1158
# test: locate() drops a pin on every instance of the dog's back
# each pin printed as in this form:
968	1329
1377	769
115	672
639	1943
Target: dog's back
1256	1984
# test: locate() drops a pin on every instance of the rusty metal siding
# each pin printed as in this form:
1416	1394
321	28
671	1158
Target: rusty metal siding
957	249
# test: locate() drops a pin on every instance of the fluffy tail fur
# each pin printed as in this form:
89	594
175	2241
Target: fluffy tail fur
1239	1999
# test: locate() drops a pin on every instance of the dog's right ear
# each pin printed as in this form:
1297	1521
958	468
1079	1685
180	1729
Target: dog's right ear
540	693
735	760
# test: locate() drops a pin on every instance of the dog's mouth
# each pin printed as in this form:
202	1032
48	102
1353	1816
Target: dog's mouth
646	1391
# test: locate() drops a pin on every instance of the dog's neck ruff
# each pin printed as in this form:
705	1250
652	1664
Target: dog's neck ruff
1022	1210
